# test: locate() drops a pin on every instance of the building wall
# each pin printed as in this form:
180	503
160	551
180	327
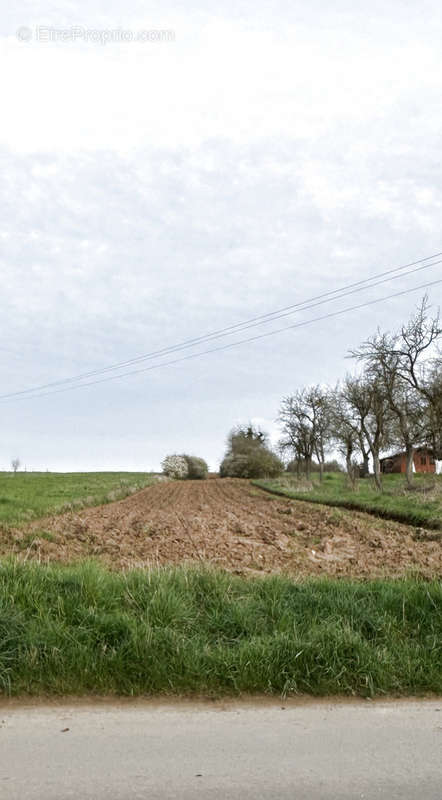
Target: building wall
399	463
424	455
396	465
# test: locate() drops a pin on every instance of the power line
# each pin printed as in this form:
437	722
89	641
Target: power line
272	316
233	344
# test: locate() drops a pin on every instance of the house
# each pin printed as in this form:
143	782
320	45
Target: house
423	461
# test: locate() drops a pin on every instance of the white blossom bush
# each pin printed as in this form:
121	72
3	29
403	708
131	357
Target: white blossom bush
175	466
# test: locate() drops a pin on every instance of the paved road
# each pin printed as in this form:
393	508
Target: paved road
162	752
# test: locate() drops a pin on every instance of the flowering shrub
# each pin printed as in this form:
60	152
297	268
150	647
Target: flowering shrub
249	456
175	466
260	464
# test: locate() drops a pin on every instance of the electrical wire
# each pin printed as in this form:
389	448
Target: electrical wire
272	316
232	344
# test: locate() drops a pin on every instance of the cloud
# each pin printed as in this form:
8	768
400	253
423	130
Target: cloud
152	193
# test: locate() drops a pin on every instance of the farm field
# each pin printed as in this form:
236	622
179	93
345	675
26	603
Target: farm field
420	506
229	524
217	587
28	495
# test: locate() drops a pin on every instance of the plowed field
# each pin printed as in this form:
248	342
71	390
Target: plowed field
233	525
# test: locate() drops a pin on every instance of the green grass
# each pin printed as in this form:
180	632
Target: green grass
82	629
29	495
421	507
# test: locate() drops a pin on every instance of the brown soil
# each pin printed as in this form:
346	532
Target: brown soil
231	524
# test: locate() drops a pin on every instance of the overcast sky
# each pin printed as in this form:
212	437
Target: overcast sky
260	154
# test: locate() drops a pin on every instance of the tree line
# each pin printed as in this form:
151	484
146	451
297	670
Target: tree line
394	400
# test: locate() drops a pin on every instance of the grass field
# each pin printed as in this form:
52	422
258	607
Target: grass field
29	495
421	506
76	630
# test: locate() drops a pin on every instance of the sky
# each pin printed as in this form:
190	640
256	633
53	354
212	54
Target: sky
171	169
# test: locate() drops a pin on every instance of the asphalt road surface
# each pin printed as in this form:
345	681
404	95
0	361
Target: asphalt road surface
262	750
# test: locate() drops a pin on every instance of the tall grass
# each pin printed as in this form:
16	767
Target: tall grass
82	629
421	506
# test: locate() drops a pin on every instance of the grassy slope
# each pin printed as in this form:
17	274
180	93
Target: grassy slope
85	630
421	507
29	495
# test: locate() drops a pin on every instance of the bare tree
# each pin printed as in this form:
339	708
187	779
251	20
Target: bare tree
296	434
367	400
345	431
348	422
414	347
321	419
407	404
15	464
433	410
401	363
306	425
365	453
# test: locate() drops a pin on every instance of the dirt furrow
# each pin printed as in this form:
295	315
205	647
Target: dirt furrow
231	524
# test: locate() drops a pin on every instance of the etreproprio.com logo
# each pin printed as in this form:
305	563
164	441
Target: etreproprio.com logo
79	33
